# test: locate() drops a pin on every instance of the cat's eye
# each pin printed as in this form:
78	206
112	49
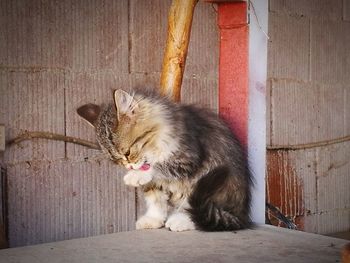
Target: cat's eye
127	153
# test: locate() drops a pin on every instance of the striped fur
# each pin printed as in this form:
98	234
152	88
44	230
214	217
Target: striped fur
197	175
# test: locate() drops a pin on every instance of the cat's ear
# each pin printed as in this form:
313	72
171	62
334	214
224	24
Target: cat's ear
89	112
124	103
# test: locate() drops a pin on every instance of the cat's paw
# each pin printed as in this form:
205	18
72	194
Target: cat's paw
137	178
179	222
147	222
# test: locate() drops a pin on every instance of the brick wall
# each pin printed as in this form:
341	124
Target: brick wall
308	102
56	56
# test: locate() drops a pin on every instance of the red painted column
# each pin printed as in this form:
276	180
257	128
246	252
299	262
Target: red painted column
233	67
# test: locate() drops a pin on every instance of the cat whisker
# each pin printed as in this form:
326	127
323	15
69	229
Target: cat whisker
136	103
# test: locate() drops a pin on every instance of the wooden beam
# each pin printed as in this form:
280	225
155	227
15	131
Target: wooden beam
179	29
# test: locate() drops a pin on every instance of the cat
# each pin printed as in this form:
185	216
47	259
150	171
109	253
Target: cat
191	168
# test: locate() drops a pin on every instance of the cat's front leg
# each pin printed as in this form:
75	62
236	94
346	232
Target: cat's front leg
137	177
180	221
157	209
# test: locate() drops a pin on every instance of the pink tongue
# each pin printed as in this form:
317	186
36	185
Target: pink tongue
145	167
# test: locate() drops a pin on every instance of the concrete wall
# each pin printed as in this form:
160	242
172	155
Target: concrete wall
308	102
58	55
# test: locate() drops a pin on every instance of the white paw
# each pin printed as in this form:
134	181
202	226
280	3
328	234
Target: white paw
137	178
146	222
179	222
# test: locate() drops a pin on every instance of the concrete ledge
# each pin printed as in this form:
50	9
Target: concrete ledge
263	244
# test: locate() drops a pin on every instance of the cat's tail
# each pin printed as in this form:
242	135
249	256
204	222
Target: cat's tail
219	203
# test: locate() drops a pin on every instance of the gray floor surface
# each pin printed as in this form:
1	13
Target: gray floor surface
262	244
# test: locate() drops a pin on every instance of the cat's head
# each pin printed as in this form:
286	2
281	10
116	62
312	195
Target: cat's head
133	131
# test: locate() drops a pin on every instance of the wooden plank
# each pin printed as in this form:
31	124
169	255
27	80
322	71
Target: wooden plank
306	112
288	49
316	9
329	46
32	101
51	201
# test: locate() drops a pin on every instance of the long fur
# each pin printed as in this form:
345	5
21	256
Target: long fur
196	162
208	211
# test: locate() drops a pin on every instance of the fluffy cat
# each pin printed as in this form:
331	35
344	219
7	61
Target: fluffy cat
190	166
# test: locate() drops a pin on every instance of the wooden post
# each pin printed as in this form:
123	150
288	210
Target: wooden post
179	29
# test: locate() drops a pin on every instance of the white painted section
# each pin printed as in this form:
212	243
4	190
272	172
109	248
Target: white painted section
257	104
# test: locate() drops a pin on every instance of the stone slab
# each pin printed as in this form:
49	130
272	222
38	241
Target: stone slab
263	244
